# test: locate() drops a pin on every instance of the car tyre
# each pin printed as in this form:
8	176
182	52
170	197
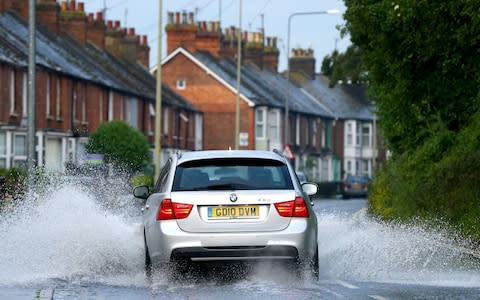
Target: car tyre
314	266
148	261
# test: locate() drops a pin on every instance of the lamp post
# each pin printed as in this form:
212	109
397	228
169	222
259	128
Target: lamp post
158	98
31	85
324	12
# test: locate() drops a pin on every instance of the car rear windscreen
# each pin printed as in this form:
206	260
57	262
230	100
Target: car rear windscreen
232	174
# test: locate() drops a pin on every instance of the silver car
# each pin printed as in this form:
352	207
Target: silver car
219	206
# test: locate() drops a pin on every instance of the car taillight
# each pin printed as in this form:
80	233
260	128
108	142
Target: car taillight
296	208
169	210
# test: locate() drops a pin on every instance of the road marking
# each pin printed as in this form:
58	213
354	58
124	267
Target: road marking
377	297
346	284
44	294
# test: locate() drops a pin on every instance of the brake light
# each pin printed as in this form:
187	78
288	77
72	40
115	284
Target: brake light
169	210
296	208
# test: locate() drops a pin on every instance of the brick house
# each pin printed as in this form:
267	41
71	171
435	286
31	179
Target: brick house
201	67
88	71
354	147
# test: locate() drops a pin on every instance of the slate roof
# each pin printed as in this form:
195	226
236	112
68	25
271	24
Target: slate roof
263	87
347	101
62	54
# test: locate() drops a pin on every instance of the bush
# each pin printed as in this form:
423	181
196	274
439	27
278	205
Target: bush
122	145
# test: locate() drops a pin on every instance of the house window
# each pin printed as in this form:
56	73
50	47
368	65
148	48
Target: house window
349	166
13	108
20	148
110	106
181	84
328	135
349	134
365	167
83	104
166	113
133	112
48	103
260	124
314	133
58	100
357	134
3	150
297	130
366	135
151	119
273	126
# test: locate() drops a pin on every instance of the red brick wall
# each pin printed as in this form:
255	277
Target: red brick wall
181	36
47	14
217	102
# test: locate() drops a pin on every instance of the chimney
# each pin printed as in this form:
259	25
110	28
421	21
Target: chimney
253	50
271	54
143	56
113	37
180	34
129	46
303	61
74	21
96	30
48	15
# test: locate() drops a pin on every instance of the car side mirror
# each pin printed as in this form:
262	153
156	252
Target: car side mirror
141	192
310	188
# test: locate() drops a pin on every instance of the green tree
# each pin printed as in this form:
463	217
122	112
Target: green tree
122	145
345	66
423	63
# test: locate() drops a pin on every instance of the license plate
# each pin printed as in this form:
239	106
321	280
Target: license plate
234	212
356	186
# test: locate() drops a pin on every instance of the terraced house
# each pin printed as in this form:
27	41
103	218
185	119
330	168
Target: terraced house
201	67
88	71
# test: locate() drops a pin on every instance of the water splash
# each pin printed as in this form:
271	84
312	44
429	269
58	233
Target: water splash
362	249
66	234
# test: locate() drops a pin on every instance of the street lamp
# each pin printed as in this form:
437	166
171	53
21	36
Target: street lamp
239	72
324	12
158	99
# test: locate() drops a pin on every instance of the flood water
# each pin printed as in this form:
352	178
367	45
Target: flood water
76	242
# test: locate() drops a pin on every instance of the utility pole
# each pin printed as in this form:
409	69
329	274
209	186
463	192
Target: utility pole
158	98
239	66
31	84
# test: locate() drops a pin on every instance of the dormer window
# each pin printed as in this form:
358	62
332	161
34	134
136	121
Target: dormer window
181	84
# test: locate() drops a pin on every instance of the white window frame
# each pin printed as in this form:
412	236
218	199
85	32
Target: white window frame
314	132
181	84
349	134
273	124
13	107
367	136
151	114
260	135
83	103
358	134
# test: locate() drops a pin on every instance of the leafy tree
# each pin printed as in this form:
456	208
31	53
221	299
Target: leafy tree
423	62
122	145
344	67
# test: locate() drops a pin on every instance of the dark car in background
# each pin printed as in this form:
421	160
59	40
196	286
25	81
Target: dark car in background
355	186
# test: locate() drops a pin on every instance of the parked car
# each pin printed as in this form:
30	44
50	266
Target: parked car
220	206
355	186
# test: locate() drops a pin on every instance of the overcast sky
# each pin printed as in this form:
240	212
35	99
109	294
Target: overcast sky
316	31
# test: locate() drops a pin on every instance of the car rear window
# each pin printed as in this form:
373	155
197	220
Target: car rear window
232	174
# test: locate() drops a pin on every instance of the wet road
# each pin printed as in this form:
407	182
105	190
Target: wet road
69	247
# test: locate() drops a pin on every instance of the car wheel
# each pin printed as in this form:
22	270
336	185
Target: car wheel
346	197
314	268
148	262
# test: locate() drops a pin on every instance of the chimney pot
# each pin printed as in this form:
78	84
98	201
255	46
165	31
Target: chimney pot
81	6
145	40
184	17
131	31
100	16
63	6
177	18
109	24
116	25
72	5
170	17
91	18
191	18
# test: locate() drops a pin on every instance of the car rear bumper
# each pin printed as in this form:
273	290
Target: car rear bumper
236	253
166	241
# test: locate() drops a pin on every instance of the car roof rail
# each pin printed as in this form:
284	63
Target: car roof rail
278	152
